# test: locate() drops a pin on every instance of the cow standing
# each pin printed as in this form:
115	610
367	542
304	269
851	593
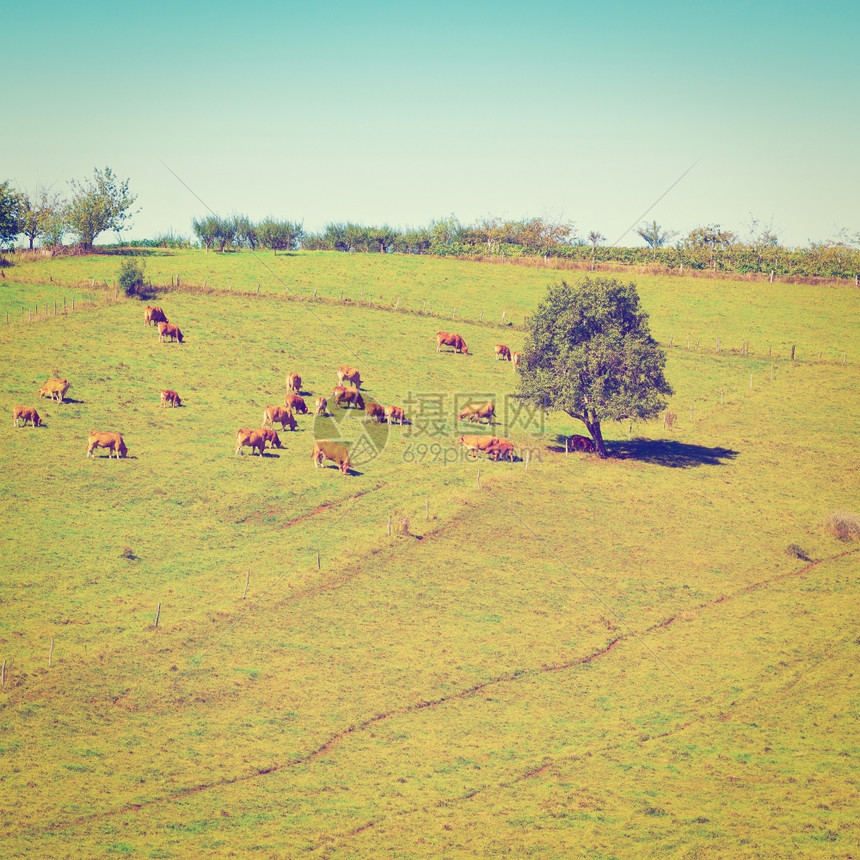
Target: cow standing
349	374
297	403
331	451
395	415
25	414
55	389
515	359
171	397
344	395
153	316
112	441
169	331
321	406
253	439
444	338
282	414
294	383
502	352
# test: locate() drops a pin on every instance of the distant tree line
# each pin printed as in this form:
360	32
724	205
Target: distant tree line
95	204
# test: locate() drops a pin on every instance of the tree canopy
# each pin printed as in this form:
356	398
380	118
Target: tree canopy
589	352
10	213
98	204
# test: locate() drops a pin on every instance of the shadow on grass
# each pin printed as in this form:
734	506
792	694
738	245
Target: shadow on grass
668	452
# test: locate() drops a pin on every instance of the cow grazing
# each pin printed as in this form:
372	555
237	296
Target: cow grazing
112	441
502	352
25	414
478	411
253	439
281	414
294	383
169	331
444	338
55	389
297	403
349	374
344	395
395	415
321	406
501	449
269	435
331	451
581	443
478	443
153	316
515	359
375	412
171	397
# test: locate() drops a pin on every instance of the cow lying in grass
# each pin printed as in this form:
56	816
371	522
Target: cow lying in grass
331	451
25	414
55	389
581	443
478	412
281	414
112	441
494	447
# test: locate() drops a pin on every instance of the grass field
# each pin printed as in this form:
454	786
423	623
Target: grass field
579	658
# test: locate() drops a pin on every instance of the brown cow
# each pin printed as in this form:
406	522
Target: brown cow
395	415
349	374
580	443
169	331
444	338
297	403
294	382
270	436
25	414
331	451
253	439
515	359
501	449
153	315
112	441
478	443
55	386
477	411
282	414
375	412
502	352
171	397
344	395
321	406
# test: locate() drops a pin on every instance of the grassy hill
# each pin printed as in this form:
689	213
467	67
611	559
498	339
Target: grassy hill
647	655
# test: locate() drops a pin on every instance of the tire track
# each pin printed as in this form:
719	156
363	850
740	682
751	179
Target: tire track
469	692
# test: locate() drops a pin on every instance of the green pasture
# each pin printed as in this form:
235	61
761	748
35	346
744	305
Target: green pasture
557	657
768	317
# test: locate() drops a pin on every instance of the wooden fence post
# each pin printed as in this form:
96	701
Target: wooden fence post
792	351
157	615
247	580
51	653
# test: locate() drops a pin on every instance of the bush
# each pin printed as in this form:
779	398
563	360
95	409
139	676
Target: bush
843	525
131	277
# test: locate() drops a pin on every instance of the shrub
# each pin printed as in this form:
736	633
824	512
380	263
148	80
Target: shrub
843	525
131	277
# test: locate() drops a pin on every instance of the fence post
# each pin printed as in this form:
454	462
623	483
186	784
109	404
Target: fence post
792	351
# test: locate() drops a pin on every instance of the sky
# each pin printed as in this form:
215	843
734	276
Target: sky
606	114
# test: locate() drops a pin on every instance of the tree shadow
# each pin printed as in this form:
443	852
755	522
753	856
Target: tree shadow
670	453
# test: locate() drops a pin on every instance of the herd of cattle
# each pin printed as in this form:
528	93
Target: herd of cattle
497	448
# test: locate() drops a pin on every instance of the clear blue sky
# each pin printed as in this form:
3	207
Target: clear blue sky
405	112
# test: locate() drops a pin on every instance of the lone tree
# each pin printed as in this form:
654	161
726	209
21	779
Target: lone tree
98	204
589	352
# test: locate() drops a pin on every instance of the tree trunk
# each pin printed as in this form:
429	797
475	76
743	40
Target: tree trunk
597	435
